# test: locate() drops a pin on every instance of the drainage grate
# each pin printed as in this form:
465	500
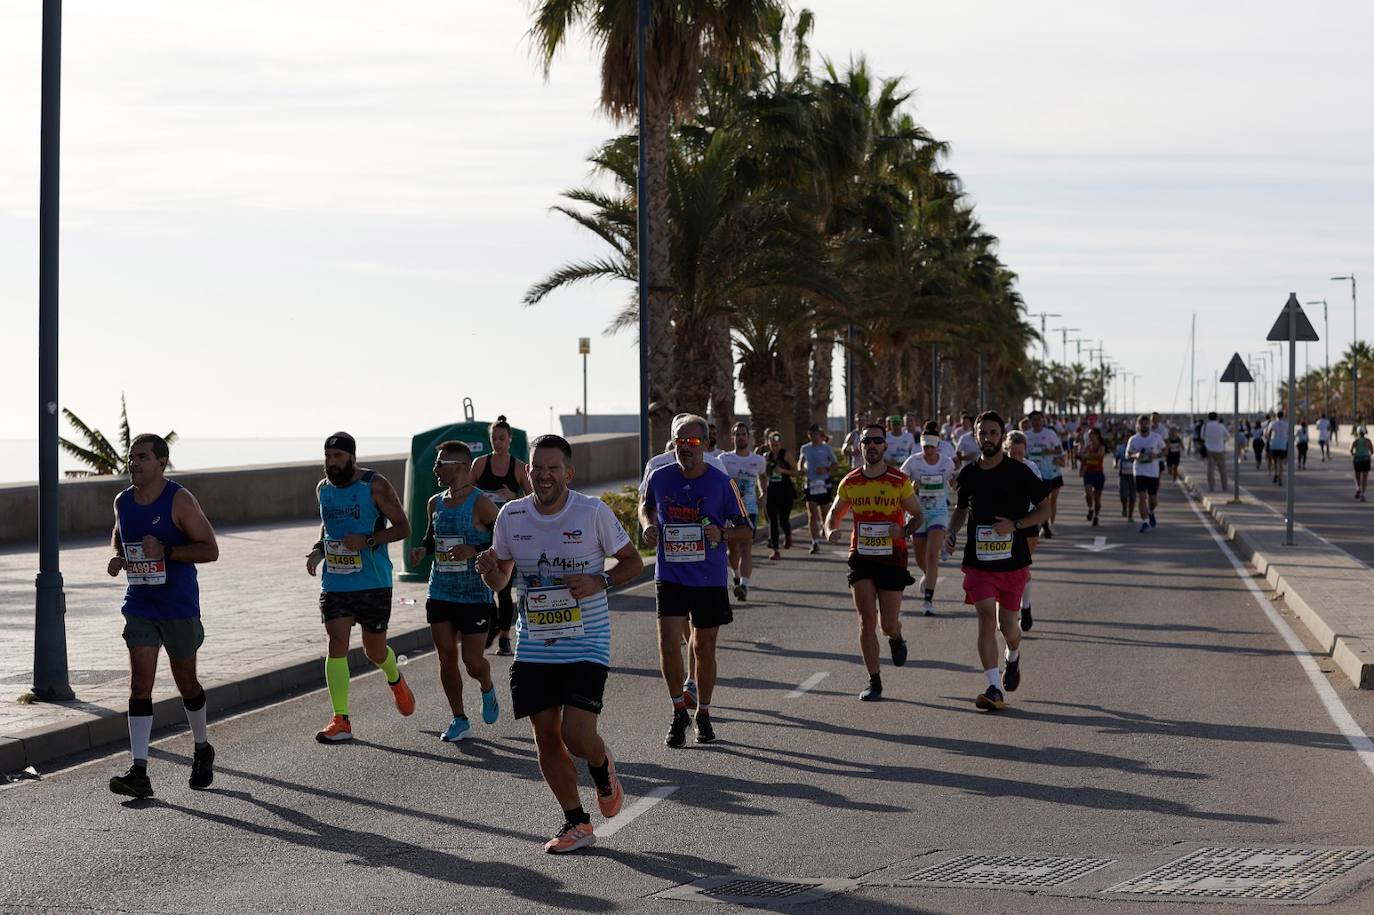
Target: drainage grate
756	892
1007	872
1248	873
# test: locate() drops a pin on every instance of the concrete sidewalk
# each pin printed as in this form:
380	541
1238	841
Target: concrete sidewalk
1325	587
263	638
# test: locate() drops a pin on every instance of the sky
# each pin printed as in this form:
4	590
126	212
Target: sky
283	219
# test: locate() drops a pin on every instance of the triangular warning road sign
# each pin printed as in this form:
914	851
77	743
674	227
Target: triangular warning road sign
1236	372
1304	327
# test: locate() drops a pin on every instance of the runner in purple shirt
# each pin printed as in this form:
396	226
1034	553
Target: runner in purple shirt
689	509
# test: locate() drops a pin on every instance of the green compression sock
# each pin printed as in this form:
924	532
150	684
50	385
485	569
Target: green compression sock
393	673
336	677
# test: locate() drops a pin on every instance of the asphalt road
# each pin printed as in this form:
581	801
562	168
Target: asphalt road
1160	711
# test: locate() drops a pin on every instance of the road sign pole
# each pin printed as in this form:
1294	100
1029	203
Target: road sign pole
1292	418
1235	441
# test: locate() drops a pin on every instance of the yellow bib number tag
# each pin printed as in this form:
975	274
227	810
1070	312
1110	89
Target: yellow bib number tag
552	613
442	562
874	538
339	560
990	545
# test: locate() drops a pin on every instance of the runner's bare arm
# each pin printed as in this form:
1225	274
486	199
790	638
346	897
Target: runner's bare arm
647	523
912	504
188	516
522	476
1039	516
838	509
418	553
957	519
389	504
495	572
116	564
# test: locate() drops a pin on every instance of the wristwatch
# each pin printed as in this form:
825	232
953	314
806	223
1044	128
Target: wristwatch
606	580
372	542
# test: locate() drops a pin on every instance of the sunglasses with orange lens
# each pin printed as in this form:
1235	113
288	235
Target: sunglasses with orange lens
691	441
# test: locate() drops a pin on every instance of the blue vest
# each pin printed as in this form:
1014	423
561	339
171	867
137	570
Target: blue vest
348	510
157	589
458	582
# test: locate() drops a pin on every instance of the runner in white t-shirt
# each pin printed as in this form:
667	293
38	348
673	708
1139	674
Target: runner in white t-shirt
931	473
1045	447
1324	437
749	471
900	443
1145	448
555	542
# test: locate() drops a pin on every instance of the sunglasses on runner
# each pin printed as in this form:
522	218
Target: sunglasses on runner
872	440
442	463
691	441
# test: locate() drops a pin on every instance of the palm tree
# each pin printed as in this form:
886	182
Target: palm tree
686	38
98	453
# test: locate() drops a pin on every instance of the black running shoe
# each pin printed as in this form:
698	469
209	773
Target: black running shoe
705	733
503	648
741	592
1047	531
203	767
1094	520
1026	620
991	699
133	783
677	731
1012	678
898	647
1090	514
873	691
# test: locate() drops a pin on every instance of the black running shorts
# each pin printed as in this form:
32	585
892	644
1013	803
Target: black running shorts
708	607
884	575
370	609
1147	485
537	687
469	619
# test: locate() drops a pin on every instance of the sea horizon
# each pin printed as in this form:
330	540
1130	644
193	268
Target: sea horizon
19	456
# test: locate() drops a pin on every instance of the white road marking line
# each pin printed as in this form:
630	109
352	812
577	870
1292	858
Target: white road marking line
807	684
635	810
1340	715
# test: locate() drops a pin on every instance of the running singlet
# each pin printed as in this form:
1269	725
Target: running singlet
1362	449
490	484
1009	490
1278	435
348	510
1038	446
931	483
744	469
553	626
877	503
1151	448
1092	463
451	579
683	508
157	589
819	459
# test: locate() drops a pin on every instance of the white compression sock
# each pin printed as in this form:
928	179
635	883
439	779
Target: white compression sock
744	580
1025	597
994	677
1013	656
195	716
140	731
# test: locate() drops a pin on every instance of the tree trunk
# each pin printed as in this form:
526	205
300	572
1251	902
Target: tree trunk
763	390
722	360
822	376
691	389
658	122
799	391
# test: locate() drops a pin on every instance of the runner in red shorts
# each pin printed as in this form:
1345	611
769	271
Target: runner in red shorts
994	494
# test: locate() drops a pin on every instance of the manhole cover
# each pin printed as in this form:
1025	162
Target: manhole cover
74	677
1008	872
756	891
1248	873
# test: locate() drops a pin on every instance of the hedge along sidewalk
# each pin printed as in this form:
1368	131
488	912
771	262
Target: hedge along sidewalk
263	639
1325	587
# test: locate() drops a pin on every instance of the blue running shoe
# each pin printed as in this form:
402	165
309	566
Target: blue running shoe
1152	519
1144	526
458	728
491	709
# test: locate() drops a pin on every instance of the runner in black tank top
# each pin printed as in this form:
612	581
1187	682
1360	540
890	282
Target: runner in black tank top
516	482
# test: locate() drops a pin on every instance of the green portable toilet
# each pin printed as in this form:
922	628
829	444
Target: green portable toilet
420	482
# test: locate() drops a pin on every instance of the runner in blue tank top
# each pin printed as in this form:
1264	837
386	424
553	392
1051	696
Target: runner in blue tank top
459	604
355	506
160	533
688	510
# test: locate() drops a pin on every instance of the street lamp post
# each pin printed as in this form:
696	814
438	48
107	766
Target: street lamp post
1354	340
1065	331
1044	339
642	218
50	677
584	346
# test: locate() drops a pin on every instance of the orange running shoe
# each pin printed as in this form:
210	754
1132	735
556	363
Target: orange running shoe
610	800
570	838
339	730
405	699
